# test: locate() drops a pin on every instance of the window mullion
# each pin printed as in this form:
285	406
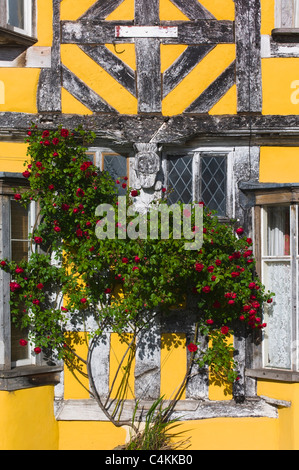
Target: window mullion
293	250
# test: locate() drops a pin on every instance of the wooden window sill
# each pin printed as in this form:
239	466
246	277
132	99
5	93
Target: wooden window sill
29	376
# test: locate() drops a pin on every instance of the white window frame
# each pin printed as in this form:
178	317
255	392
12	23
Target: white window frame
293	259
197	153
29	21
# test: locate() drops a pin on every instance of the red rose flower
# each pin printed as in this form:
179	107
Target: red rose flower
163	190
55	141
38	240
3	263
17	197
83	300
199	267
192	347
206	289
210	269
79	232
40	285
14	286
80	192
218	262
37	350
134	193
125	260
36	302
210	322
57	229
55	154
23	342
51	187
251	285
46	142
107	291
137	259
64	309
19	270
46	134
224	330
26	174
240	231
65	207
124	185
64	132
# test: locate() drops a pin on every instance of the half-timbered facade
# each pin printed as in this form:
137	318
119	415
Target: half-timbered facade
208	91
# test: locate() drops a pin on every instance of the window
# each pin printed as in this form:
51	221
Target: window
199	176
116	164
279	270
287	14
17	22
21	224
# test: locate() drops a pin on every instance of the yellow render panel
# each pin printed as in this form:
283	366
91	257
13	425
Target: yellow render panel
280	79
44	23
98	79
73	9
221	9
288	417
20	89
76	384
267	16
27	420
89	435
231	434
279	165
12	157
173	364
199	79
123	361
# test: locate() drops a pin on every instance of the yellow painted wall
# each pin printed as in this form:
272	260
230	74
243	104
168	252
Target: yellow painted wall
27	420
279	165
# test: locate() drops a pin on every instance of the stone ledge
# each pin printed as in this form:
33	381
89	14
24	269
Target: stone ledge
185	410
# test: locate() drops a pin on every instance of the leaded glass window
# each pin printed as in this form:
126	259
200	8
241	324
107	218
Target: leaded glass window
198	176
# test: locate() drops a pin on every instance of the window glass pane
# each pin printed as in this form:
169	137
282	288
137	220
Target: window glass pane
19	217
277	315
180	179
116	165
18	352
213	183
16	13
278	231
19	221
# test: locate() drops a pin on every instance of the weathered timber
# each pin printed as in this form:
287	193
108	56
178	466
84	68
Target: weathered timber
103	32
184	64
128	129
193	9
148	75
83	93
248	55
214	92
101	9
88	410
113	65
147	12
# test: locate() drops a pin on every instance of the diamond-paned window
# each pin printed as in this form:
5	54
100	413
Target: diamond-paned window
180	179
198	176
116	166
213	182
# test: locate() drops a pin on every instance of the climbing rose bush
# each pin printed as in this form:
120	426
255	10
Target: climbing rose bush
72	276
